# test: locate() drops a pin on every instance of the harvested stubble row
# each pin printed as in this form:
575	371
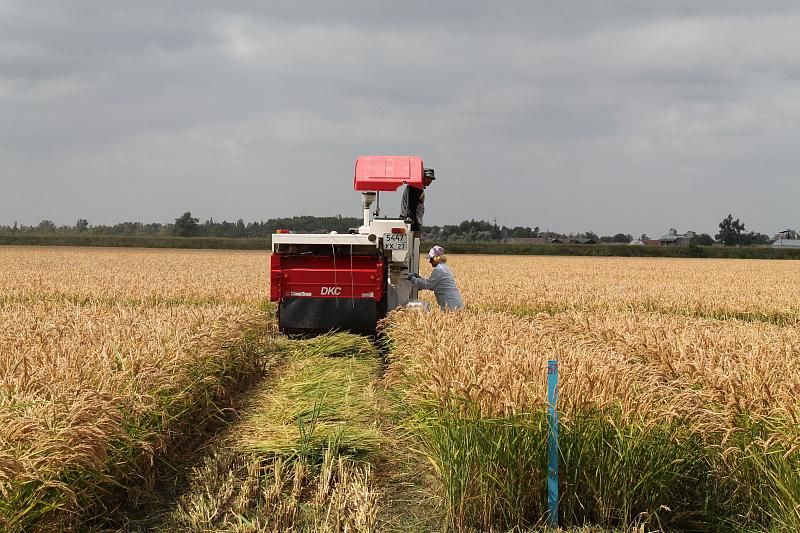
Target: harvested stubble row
324	398
104	358
297	459
666	420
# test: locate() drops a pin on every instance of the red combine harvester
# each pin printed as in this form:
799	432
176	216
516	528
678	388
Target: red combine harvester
332	281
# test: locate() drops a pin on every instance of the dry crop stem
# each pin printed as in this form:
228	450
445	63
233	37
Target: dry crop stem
101	354
251	493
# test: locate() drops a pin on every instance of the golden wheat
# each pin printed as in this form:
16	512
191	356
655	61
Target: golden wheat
133	276
679	382
621	333
718	288
96	342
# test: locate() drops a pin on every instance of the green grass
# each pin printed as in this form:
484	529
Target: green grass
761	472
491	472
631	474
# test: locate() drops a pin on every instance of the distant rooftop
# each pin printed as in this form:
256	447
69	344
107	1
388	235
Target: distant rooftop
787	243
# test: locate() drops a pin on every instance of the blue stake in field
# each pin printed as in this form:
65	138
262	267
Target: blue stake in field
552	443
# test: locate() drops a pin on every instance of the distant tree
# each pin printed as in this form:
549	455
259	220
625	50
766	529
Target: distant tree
643	237
760	238
186	225
82	225
730	231
129	228
15	228
154	228
241	229
755	238
704	239
519	231
46	226
621	237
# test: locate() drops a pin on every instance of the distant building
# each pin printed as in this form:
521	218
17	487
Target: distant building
636	242
787	234
544	240
674	239
787	243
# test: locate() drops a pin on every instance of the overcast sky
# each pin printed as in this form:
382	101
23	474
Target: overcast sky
626	116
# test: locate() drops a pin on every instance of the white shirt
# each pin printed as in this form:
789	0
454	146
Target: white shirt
443	285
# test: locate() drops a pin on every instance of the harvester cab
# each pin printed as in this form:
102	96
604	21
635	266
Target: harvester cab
332	281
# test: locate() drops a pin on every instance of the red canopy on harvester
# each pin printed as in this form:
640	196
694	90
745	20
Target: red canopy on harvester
387	172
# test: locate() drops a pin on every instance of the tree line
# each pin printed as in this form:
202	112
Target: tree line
187	225
732	232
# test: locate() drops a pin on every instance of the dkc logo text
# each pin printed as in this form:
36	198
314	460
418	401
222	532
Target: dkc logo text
331	291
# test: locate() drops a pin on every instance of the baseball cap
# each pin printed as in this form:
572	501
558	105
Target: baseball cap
435	252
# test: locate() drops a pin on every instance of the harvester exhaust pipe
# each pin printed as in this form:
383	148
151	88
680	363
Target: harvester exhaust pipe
367	198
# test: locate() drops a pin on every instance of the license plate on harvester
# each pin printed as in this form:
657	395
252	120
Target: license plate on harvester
394	241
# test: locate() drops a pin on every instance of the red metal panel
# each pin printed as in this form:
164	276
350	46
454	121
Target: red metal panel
387	173
323	276
275	275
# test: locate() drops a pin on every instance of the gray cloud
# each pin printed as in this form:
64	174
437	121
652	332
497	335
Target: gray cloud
625	116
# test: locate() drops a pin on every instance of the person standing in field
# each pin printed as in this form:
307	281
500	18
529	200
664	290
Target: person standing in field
412	206
441	281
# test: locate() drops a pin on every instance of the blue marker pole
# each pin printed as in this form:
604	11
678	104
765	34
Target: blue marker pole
552	443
